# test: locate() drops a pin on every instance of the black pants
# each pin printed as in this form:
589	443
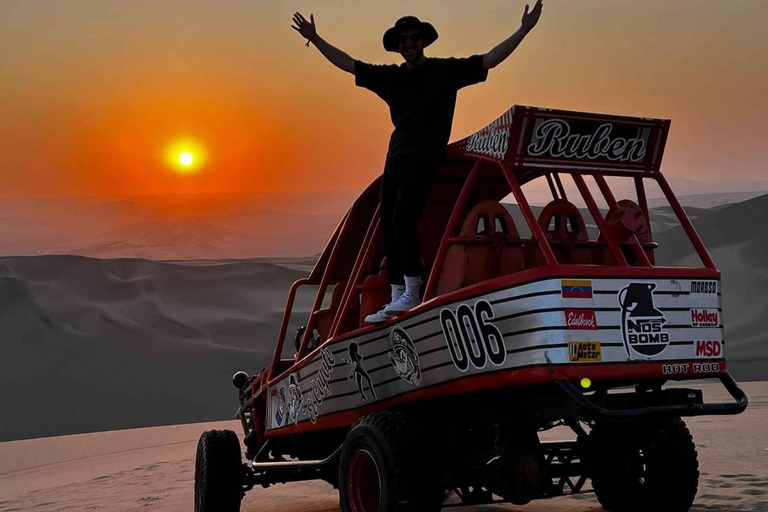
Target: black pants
404	190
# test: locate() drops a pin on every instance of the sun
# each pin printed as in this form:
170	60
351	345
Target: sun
186	159
186	156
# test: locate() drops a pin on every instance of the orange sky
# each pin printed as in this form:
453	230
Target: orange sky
92	91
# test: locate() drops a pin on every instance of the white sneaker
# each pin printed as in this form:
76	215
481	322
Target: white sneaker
405	303
378	317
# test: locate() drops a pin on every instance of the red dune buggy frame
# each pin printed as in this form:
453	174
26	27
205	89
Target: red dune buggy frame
516	335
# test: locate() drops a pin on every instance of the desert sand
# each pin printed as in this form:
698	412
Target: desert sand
153	469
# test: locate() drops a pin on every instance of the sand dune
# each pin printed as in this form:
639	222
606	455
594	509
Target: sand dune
738	243
92	344
152	469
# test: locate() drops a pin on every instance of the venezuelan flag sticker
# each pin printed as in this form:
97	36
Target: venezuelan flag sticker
576	288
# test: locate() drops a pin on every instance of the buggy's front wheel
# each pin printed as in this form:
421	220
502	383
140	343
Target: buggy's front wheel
218	472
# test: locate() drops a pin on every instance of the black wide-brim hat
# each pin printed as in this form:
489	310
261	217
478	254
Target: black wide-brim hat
391	36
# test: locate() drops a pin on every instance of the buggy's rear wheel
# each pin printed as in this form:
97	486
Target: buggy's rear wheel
218	472
650	466
384	468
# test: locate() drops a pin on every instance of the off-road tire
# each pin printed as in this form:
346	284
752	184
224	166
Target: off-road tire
218	472
650	466
408	475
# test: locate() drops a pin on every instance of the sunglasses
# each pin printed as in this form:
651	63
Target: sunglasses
409	38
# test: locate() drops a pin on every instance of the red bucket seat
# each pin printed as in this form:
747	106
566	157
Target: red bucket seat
488	246
566	233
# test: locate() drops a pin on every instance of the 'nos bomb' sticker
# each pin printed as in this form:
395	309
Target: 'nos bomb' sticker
642	325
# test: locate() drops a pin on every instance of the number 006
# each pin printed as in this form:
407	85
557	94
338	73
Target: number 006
471	337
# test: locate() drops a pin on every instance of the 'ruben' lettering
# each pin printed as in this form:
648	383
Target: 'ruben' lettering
553	138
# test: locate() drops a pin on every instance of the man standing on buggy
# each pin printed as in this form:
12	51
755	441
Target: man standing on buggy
421	94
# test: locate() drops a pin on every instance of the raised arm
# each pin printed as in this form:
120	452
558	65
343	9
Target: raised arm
504	49
308	30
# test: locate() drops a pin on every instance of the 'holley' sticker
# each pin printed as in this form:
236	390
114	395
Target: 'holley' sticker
705	318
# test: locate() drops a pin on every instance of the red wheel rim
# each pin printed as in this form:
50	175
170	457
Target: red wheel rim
364	483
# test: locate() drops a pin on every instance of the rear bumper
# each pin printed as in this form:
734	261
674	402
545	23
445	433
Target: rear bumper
677	402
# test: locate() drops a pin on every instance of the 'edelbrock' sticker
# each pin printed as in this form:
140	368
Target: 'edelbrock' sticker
580	319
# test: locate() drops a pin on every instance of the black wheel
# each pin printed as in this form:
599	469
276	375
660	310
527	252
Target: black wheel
386	466
218	472
649	466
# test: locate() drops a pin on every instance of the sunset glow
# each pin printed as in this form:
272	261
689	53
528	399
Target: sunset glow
259	112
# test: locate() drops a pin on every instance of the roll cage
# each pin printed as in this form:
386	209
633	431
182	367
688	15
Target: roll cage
463	226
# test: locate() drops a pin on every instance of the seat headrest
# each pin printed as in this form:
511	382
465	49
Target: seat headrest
488	218
568	219
631	216
337	294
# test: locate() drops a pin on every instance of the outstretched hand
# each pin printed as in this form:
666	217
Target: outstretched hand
530	19
504	49
306	28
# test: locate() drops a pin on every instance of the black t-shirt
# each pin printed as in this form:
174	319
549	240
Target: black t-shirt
421	100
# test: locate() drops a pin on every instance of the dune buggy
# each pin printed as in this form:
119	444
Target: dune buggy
533	318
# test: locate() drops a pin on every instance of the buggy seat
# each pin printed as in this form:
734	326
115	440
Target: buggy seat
488	246
566	233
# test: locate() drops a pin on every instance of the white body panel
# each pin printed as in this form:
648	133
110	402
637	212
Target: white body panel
532	320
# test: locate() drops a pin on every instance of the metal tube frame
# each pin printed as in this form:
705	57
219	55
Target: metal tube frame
598	217
533	224
284	325
551	185
321	291
362	260
560	187
643	202
453	222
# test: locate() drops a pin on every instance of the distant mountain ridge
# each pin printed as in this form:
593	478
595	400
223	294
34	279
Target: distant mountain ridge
218	226
182	226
